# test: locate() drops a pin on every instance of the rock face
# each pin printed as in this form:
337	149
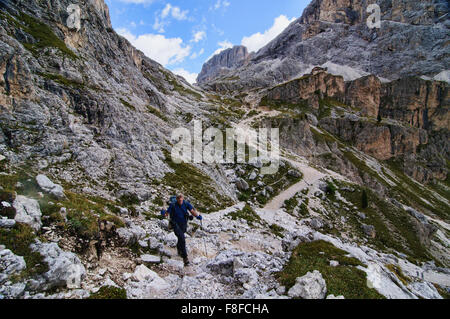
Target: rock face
411	42
227	59
310	286
365	94
420	103
87	99
309	88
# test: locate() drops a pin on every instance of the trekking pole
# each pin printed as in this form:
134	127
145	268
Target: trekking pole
204	240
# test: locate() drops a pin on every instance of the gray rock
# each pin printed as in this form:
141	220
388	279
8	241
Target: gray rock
10	264
335	297
28	212
294	173
242	185
150	259
361	215
171	239
246	276
13	291
310	286
317	223
334	263
131	235
65	268
7	223
369	230
253	176
48	186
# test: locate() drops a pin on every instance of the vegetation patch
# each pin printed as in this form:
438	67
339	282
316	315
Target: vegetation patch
345	279
156	112
277	230
18	239
395	228
195	185
41	32
399	273
109	292
248	214
62	80
127	105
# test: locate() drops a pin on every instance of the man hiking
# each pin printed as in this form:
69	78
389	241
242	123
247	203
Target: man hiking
179	215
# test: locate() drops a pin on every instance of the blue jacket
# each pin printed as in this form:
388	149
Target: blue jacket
179	213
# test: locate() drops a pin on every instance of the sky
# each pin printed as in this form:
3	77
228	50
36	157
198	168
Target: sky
182	35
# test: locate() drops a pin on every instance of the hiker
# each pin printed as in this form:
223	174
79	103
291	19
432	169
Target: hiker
179	215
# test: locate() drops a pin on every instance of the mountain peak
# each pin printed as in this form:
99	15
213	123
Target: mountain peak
231	58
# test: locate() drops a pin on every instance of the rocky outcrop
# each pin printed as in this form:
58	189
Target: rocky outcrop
380	141
309	88
417	102
219	64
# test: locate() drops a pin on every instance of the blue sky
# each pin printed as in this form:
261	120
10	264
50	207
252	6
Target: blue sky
182	35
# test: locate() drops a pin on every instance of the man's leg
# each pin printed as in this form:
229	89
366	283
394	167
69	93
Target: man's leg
181	244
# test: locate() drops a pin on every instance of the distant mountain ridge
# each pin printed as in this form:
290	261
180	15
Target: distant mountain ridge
412	41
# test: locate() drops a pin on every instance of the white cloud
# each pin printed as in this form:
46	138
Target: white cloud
167	51
162	18
220	4
198	36
190	77
175	12
258	40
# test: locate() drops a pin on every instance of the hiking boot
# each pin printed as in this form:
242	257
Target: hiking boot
186	261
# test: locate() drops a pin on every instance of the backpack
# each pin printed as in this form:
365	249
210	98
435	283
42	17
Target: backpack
172	200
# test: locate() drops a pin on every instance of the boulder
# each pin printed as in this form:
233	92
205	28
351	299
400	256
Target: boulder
131	235
28	212
48	186
242	185
369	230
310	286
64	268
334	263
294	173
7	223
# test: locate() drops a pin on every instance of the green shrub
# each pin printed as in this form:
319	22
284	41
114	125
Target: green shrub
364	200
109	292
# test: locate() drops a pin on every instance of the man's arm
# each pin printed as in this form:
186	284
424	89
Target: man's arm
193	211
